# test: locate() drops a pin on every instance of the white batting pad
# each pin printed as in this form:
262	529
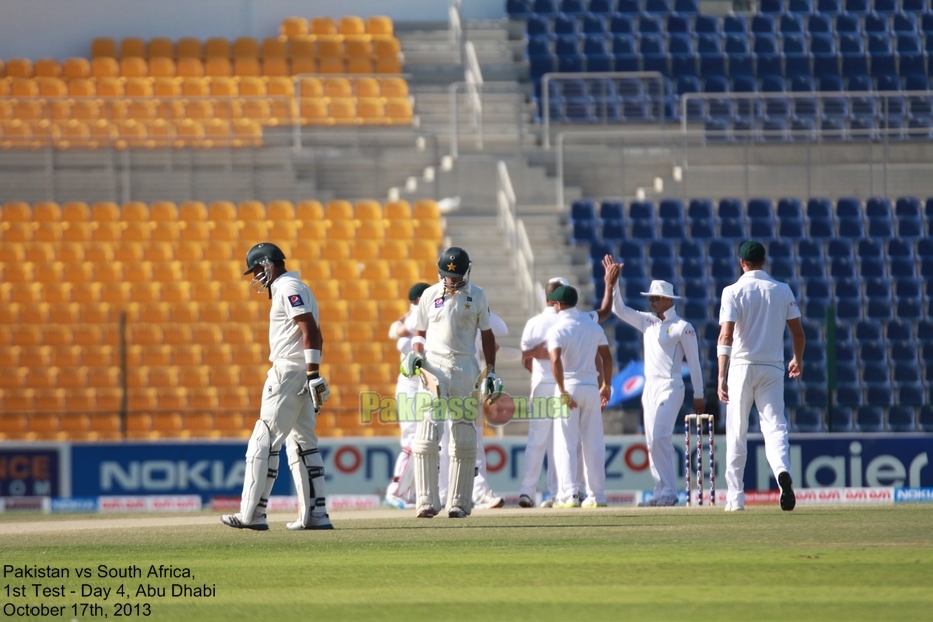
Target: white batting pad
425	451
307	467
462	466
262	467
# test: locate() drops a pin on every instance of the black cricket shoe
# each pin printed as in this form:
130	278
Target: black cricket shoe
788	500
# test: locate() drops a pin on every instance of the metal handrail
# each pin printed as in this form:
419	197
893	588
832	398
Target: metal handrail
476	119
593	75
819	96
523	260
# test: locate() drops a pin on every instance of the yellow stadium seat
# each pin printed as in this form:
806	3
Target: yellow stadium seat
52	86
371	230
134	67
127	252
246	67
386	47
429	230
137	232
386	290
161	132
301	65
375	270
351	25
281	87
337	87
332	65
400	230
359	65
398	111
189	47
75	69
17	211
309	211
103	232
103	46
367	249
165	272
159	251
313	111
104	67
343	110
354	290
398	210
339	209
405	270
367	87
323	26
96	313
344	269
225	231
20	68
358	46
222	211
163	211
281	211
16	232
426	209
161	47
162	67
379	25
367	353
193	211
245	312
46	211
218	47
306	250
142	110
276	67
217	67
424	249
247	133
35	253
219	251
371	111
294	27
206	292
70	252
166	87
257	108
111	272
133	47
364	311
342	230
189	67
217	133
199	109
245	47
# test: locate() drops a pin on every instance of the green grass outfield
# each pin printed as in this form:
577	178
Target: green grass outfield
834	563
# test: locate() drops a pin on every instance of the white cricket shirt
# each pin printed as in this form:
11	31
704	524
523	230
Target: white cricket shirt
579	338
668	342
535	333
403	345
290	298
451	319
760	308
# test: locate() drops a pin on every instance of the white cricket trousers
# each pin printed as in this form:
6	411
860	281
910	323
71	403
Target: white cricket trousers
763	385
540	443
583	426
661	400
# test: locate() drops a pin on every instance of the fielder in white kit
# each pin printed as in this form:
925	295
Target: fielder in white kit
292	396
448	317
754	312
577	345
400	491
668	340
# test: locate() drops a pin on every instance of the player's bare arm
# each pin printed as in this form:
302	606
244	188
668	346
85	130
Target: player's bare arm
613	270
725	341
557	368
795	367
311	337
604	365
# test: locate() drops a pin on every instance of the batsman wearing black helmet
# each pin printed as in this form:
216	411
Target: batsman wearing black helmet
292	397
448	316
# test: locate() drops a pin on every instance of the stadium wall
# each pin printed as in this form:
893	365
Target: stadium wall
64	28
363	466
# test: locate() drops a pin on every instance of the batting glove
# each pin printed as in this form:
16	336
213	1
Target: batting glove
318	389
410	364
492	388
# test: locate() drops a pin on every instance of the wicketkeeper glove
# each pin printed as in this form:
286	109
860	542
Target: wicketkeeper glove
318	389
492	388
410	364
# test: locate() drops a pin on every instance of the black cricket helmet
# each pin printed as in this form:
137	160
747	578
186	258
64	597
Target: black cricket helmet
454	262
264	254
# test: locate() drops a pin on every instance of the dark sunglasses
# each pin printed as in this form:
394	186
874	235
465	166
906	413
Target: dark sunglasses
654	298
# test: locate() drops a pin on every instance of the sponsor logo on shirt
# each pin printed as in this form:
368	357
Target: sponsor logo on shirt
438	302
295	300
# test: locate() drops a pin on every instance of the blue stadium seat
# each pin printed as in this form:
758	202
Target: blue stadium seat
910	228
815	395
545	7
901	418
907	288
771	7
737	24
596	50
706	24
602	7
849	309
829	7
849	24
812	268
642	209
863	106
629	7
693	268
654	58
661	7
712	59
825	58
811	249
852	50
859	7
848	287
775	107
925	418
781	268
791	24
885	6
781	249
614	230
796	55
879	309
840	419
765	50
583	209
905	372
926	24
601	248
631	251
849	395
687	7
823	228
741	61
612	209
877	288
624	53
692	249
910	55
909	308
700	208
650	25
904	23
915	6
846	372
909	207
621	24
877	24
805	419
584	231
869	419
537	25
565	25
572	7
881	54
683	57
679	24
518	9
800	7
540	65
820	23
870	248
